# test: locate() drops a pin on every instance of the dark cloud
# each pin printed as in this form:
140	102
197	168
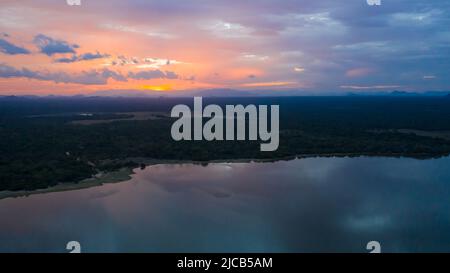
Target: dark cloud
86	77
106	73
11	49
7	71
171	75
82	57
50	46
152	74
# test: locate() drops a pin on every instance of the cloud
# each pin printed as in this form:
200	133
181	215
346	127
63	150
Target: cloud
157	62
106	73
223	29
144	63
358	72
10	49
92	77
152	74
82	57
268	84
7	71
147	32
369	87
254	57
414	19
50	46
309	27
123	60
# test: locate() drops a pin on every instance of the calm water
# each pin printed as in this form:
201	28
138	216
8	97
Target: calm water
318	204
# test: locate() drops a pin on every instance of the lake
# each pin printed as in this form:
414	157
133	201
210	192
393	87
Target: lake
302	205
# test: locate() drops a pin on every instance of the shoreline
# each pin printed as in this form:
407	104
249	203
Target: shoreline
125	174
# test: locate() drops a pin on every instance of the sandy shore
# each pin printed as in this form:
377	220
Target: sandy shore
100	179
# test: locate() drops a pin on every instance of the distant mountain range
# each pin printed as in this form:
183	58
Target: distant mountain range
190	93
234	93
427	93
186	93
403	94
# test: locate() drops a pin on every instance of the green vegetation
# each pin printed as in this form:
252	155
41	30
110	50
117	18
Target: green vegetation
41	147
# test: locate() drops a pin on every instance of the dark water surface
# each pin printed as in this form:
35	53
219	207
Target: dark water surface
303	205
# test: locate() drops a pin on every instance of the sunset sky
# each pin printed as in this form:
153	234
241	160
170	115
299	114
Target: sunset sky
316	47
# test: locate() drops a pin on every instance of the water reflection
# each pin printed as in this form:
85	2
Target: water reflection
307	205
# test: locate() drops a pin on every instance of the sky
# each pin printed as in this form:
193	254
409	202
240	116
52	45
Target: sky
311	47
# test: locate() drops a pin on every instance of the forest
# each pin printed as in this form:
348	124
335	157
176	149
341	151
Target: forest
41	146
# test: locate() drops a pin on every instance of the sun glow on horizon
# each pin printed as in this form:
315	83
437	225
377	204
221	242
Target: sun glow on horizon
161	88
